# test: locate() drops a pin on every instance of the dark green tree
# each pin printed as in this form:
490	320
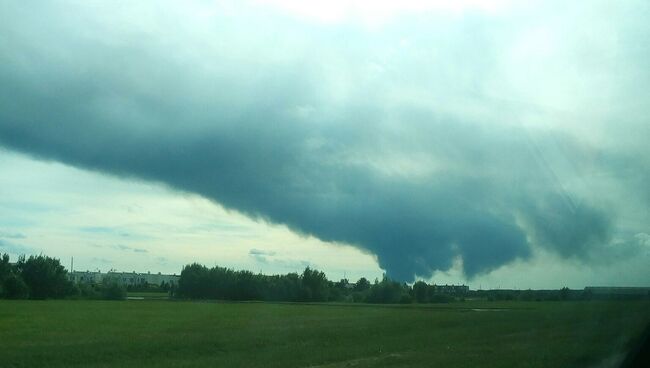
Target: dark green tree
15	288
362	285
194	282
387	291
564	293
45	277
6	270
315	284
420	291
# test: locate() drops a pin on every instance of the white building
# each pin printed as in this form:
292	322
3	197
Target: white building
86	277
123	278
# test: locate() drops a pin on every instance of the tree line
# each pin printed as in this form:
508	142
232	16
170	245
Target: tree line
42	277
200	282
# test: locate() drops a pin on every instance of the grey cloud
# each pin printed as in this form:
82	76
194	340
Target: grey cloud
271	258
121	247
113	231
258	252
292	133
104	230
260	256
10	235
129	249
101	260
15	248
637	245
281	263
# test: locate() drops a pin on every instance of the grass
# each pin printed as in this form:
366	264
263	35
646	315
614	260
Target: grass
158	333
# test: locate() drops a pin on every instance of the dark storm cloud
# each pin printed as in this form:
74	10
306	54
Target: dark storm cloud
416	187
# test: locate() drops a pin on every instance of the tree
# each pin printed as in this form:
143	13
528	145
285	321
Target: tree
164	286
6	270
5	267
45	277
564	293
316	284
387	291
15	288
420	289
362	285
194	282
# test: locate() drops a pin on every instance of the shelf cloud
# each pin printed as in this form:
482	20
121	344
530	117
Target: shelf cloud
423	141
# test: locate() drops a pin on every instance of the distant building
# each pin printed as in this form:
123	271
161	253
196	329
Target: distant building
86	277
451	289
122	278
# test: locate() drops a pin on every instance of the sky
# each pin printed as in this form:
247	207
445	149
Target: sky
492	143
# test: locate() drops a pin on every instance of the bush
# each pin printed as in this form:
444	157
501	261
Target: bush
114	291
87	291
406	299
15	288
441	298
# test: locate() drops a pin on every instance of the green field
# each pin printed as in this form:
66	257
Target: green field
160	333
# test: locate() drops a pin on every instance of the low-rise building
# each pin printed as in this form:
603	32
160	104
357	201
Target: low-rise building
86	277
451	289
123	278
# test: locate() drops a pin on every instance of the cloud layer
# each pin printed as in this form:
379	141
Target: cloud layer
423	142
